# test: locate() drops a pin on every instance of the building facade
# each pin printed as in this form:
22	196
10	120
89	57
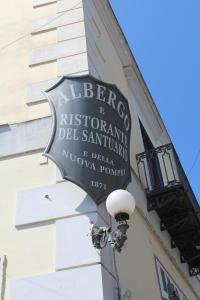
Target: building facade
45	226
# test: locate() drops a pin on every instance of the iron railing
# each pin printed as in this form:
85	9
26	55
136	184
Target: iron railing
160	169
169	193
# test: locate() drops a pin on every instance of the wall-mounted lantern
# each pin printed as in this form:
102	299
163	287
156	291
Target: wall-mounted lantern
120	205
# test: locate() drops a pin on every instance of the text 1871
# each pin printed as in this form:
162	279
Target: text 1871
98	185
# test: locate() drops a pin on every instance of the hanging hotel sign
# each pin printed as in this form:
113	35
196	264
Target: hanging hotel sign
90	137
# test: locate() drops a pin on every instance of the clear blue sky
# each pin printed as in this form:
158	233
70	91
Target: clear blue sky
165	39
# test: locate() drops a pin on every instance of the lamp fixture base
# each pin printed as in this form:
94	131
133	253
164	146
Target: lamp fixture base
121	217
102	235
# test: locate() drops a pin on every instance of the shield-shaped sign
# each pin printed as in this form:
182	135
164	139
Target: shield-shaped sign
90	136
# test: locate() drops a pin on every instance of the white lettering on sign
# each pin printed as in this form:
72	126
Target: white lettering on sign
94	123
62	98
101	92
98	185
79	160
103	134
88	90
68	134
102	158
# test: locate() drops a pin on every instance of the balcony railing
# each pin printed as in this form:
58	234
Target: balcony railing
170	194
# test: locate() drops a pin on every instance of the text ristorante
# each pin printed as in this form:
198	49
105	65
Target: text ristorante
98	132
95	124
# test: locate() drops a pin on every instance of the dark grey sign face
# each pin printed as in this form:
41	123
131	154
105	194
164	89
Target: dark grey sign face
90	139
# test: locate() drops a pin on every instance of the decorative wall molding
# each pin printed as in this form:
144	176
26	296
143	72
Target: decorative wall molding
52	202
71	31
69	52
52	22
68	254
55	51
64	5
88	282
34	91
73	64
23	137
37	3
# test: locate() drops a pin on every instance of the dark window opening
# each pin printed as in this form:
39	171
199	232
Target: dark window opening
152	160
163	280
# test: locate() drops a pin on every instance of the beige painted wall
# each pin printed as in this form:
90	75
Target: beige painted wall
16	21
25	57
136	264
29	251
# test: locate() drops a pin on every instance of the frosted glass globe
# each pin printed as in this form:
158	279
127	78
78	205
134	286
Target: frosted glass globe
120	201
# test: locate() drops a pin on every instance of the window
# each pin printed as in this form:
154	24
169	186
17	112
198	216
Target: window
152	160
168	287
